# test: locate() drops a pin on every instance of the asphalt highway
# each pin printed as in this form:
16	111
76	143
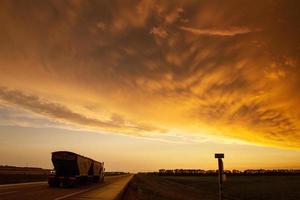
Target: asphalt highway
41	190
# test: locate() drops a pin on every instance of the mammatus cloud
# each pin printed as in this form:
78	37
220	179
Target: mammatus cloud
147	68
159	32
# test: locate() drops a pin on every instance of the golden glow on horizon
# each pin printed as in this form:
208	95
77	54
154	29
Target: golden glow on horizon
157	68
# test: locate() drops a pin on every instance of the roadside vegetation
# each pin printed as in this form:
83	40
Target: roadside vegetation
145	187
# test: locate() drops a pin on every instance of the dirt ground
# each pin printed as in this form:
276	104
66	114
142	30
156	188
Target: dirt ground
148	187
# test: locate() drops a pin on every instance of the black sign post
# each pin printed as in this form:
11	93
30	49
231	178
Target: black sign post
219	156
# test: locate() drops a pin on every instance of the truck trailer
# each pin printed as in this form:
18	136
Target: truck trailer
71	169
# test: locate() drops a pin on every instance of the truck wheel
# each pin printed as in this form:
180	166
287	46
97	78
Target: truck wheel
56	183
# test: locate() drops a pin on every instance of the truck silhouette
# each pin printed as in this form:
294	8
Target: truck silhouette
71	169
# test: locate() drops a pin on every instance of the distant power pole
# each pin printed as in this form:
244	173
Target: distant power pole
219	156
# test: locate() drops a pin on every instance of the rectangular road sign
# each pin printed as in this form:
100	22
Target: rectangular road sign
219	155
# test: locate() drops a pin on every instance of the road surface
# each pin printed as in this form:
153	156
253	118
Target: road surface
108	190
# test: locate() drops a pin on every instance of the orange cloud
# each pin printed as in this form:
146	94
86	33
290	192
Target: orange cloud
61	113
97	65
158	31
225	32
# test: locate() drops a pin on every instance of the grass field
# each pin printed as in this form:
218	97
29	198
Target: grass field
21	178
11	174
147	187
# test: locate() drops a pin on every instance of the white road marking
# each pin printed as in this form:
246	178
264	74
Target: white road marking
3	193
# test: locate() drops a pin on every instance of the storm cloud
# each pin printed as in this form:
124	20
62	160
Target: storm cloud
228	69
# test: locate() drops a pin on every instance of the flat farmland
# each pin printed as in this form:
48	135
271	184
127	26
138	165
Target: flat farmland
21	178
145	187
11	174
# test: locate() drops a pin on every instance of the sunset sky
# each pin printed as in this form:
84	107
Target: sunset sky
143	85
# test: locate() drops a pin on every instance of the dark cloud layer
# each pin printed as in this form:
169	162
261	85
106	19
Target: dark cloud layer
228	68
59	112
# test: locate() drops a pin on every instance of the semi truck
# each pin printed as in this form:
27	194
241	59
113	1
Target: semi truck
71	169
